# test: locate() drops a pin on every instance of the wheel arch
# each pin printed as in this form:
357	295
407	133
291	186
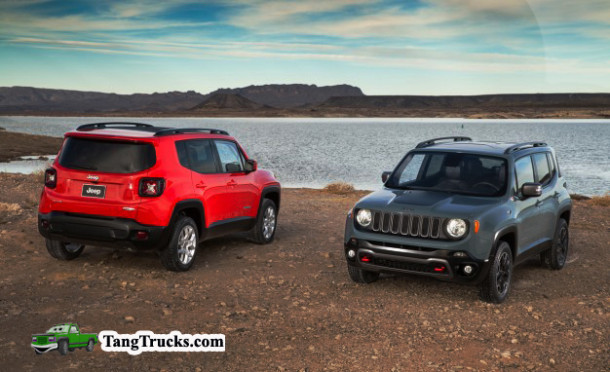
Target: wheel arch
508	234
192	208
566	214
272	193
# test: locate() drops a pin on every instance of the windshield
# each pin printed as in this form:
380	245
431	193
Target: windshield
470	174
106	156
60	328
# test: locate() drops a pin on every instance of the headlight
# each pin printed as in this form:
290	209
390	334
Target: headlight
51	339
33	339
364	217
456	228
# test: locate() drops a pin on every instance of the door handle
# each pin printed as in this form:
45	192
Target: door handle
200	185
231	183
538	202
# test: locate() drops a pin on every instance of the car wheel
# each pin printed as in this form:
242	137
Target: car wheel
362	276
180	252
63	347
556	257
63	250
266	223
496	285
90	346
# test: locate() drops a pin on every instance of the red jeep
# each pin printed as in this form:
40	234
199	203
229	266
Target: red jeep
145	187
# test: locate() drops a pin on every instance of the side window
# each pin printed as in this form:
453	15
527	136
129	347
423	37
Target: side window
434	165
73	329
411	170
542	168
524	171
229	154
200	156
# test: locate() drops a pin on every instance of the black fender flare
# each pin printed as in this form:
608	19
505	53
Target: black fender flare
189	204
500	233
266	190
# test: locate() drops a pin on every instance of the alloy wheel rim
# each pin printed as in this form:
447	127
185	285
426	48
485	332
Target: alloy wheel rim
503	274
268	223
72	247
562	246
187	243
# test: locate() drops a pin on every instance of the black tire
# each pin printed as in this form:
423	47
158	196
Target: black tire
496	285
556	257
266	223
362	276
63	250
63	347
180	253
37	352
90	345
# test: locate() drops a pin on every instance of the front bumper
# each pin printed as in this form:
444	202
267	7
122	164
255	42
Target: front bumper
101	231
438	263
44	348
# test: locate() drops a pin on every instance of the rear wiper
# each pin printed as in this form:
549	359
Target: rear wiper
82	167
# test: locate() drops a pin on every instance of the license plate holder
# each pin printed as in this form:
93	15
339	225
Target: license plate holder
94	191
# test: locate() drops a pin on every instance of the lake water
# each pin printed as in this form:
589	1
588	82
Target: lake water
312	152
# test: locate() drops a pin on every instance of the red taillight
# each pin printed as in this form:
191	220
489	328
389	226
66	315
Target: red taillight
365	258
50	178
141	235
440	269
151	186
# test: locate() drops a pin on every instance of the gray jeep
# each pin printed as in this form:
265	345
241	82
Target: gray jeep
462	211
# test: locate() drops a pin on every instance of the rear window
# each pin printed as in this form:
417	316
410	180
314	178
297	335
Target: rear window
107	156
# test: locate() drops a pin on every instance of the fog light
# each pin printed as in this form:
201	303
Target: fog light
365	258
467	269
351	253
459	254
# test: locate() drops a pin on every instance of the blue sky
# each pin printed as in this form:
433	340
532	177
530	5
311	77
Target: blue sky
382	46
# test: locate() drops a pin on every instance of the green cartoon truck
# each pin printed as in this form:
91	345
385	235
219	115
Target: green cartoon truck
63	337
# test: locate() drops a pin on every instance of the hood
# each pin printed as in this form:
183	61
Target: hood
44	334
428	203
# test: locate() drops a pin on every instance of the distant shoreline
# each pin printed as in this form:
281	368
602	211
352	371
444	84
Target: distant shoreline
528	113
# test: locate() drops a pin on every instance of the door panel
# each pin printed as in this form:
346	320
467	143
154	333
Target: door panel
209	183
530	226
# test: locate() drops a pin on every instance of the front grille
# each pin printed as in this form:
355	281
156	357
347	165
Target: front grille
401	265
41	339
407	224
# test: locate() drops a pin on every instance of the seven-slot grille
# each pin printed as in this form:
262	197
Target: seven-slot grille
407	224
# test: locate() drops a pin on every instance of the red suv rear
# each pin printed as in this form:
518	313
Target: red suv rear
144	187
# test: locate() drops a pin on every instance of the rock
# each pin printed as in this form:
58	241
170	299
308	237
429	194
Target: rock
129	319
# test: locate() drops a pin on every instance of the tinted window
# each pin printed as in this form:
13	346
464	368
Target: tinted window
551	164
200	155
451	172
229	154
107	156
542	168
524	170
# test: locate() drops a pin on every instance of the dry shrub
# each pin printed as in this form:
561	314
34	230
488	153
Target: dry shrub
601	200
579	197
8	210
339	188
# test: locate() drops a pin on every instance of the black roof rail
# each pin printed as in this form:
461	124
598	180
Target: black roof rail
169	131
432	141
119	124
524	145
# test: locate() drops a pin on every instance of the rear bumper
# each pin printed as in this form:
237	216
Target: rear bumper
101	231
437	263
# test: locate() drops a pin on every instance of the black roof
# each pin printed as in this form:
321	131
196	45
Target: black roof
465	144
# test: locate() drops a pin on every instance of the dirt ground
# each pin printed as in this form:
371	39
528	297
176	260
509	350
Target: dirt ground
291	306
13	145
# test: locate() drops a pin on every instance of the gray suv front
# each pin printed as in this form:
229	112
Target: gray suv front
463	211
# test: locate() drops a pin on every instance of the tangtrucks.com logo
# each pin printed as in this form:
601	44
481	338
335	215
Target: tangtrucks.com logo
145	341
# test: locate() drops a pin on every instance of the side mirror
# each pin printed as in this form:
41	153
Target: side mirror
233	168
530	189
251	165
385	175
